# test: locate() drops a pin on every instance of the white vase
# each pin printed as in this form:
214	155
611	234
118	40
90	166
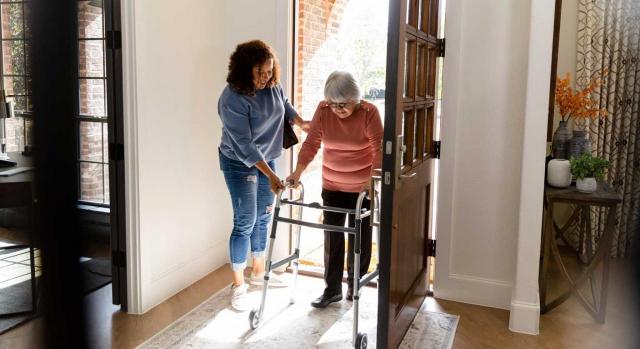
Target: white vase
559	173
587	185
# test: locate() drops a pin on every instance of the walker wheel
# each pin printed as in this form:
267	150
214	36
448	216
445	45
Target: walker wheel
361	341
254	319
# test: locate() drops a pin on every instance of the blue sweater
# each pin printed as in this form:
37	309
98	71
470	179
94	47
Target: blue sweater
252	126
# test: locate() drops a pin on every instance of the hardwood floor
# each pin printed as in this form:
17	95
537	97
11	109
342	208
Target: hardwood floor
568	326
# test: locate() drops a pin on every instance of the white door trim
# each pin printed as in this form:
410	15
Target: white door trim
525	304
132	204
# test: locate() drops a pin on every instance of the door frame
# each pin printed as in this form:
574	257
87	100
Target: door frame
131	171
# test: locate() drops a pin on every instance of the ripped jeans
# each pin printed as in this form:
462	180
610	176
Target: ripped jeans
252	202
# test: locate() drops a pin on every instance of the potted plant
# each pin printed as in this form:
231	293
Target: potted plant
586	169
579	105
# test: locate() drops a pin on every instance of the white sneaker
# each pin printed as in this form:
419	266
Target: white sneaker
274	280
239	298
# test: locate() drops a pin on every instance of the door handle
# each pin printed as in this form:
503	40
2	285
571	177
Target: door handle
408	176
400	149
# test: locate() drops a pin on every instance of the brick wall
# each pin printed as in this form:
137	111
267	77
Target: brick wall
318	25
93	135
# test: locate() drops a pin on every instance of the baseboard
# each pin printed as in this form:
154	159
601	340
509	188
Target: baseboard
474	290
525	317
170	282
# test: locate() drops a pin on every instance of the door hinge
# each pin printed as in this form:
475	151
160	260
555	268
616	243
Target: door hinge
118	259
436	149
114	39
431	248
116	151
441	47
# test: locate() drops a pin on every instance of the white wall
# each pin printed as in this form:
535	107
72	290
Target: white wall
485	75
175	65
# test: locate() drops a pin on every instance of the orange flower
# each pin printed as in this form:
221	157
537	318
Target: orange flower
578	104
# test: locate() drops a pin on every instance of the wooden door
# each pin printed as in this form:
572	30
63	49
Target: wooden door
409	153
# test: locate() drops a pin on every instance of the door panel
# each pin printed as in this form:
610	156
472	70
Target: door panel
408	162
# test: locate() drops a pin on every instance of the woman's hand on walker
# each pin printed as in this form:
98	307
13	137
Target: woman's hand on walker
276	184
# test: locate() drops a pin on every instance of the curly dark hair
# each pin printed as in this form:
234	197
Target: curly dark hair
246	56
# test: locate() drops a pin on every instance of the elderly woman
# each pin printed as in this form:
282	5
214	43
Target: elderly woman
351	131
252	108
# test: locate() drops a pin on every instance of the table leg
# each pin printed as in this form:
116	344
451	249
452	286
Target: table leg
609	229
548	235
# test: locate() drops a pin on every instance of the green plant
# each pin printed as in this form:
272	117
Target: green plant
586	165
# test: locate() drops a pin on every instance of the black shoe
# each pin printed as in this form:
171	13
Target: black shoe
324	300
350	294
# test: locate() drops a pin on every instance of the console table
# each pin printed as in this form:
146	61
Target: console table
588	255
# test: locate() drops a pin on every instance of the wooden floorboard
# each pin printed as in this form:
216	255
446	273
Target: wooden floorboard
568	326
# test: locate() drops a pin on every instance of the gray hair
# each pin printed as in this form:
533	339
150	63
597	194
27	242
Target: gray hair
341	86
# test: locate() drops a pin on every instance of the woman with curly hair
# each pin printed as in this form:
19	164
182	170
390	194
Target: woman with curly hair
252	108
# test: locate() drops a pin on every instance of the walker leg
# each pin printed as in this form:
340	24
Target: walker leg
296	263
257	315
356	279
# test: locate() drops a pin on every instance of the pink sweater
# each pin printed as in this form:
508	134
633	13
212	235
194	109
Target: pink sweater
351	146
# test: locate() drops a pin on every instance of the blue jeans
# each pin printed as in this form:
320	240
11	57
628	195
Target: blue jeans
252	202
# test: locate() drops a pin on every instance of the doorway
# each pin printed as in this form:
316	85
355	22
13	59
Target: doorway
334	35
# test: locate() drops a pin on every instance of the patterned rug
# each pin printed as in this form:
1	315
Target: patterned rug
213	324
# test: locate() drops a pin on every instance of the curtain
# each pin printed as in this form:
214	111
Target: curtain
609	41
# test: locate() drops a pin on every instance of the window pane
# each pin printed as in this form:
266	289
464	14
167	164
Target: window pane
12	26
90	23
90	141
13	57
91	182
105	142
27	20
106	184
15	134
28	58
21	104
91	58
15	85
29	134
92	97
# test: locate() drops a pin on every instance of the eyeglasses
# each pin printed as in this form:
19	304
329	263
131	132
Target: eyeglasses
339	105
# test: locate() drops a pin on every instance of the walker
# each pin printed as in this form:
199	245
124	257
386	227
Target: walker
255	316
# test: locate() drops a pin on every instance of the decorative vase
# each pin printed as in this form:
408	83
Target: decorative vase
587	185
560	144
559	173
579	144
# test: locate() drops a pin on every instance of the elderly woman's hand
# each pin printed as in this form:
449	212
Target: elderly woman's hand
294	177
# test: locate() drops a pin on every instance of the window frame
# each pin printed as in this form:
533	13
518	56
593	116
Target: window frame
103	120
25	114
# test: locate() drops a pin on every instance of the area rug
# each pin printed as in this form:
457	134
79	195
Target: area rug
213	324
15	286
96	272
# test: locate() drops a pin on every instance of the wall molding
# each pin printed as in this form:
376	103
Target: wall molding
475	290
525	317
132	194
525	314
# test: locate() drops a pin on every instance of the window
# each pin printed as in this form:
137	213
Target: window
93	158
92	79
16	72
